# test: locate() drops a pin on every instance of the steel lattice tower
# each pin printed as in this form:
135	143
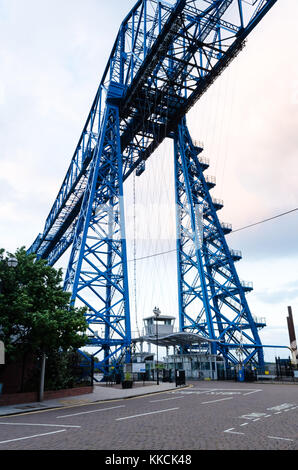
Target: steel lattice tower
166	55
212	299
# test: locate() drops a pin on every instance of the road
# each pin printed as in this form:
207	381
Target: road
206	416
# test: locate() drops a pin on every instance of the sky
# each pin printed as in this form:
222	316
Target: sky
52	56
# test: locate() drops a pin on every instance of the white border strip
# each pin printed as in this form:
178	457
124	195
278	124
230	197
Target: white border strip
38	424
215	401
31	437
92	411
145	414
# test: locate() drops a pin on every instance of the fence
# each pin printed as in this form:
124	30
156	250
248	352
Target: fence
282	370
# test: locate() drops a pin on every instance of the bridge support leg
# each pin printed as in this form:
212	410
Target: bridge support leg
212	299
97	271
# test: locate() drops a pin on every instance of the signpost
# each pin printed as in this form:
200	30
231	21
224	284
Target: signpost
2	359
2	353
139	367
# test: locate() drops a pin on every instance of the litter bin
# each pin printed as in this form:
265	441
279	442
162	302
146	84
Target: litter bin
241	375
180	377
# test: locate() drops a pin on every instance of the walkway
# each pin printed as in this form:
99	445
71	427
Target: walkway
100	393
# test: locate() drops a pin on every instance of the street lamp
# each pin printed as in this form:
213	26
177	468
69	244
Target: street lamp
12	262
157	312
239	352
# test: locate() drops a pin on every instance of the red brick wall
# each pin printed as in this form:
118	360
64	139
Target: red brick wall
30	397
11	375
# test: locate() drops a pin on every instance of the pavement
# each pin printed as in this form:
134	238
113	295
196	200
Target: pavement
102	392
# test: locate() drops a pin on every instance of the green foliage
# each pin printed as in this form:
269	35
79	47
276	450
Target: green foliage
35	313
128	376
62	371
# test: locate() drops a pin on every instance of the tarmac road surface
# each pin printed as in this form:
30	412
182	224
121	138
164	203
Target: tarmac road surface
206	416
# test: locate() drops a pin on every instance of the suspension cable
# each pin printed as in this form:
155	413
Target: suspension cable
135	252
233	231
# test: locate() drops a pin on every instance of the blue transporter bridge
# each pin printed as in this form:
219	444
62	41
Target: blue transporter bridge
165	57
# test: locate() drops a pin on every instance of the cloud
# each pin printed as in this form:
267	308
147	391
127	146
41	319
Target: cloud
6	190
272	239
52	56
248	121
285	294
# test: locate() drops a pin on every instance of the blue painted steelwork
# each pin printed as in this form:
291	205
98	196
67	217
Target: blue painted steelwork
212	299
97	269
165	57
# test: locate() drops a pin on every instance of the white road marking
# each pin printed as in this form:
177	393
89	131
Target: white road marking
218	391
165	399
92	411
31	437
282	407
145	414
252	416
227	389
38	424
259	416
233	432
281	438
215	401
254	391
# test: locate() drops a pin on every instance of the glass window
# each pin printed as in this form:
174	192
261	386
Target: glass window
206	365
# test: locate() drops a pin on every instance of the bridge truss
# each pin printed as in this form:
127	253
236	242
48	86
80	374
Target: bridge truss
166	55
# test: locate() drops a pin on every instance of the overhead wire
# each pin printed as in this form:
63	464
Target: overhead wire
233	231
160	222
265	220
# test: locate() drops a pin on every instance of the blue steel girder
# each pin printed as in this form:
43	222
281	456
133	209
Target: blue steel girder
212	299
166	55
97	270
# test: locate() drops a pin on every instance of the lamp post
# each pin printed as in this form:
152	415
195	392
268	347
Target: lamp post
157	312
12	262
240	353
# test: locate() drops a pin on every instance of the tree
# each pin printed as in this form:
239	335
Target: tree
35	313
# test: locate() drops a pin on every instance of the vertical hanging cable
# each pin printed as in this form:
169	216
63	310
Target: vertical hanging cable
135	251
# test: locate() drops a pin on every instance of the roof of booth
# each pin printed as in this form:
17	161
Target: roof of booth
181	338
